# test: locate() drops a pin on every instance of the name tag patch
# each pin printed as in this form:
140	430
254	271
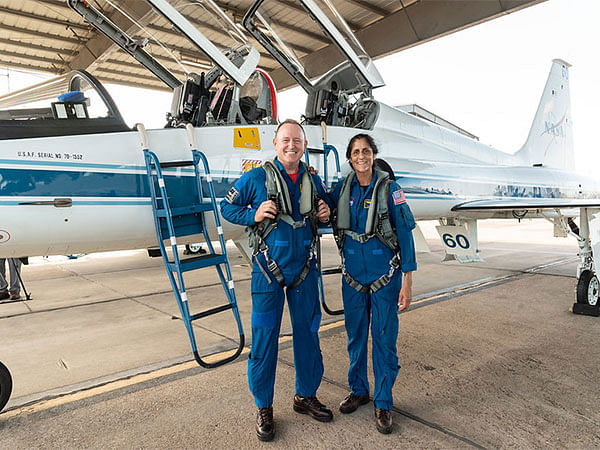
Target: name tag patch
231	195
367	203
398	197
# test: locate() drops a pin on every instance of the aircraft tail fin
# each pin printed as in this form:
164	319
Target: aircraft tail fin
550	140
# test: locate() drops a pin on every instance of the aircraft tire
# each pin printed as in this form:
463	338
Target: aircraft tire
588	288
5	385
194	249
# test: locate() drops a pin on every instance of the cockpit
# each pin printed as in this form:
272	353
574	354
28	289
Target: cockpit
74	103
340	96
211	85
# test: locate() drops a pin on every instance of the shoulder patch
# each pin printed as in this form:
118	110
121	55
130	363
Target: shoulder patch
232	194
398	197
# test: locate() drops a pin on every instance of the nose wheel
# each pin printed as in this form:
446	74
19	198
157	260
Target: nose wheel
588	294
5	385
588	288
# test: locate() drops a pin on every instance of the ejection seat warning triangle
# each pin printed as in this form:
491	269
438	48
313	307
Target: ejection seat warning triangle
247	138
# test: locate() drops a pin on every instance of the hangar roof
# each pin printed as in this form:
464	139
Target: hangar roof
47	36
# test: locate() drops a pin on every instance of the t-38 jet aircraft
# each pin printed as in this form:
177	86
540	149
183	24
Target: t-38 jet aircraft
73	177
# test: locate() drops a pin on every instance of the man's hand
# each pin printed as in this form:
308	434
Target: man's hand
266	210
405	296
312	170
323	211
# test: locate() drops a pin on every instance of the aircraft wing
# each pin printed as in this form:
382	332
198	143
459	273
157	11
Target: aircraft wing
526	203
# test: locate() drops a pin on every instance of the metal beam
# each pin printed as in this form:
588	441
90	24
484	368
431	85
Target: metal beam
99	47
44	19
369	7
40	48
56	62
121	73
292	4
239	14
198	23
407	27
159	86
30	67
37	34
56	4
193	50
117	62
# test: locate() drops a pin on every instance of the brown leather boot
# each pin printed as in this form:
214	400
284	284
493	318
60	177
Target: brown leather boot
383	420
313	407
265	427
352	402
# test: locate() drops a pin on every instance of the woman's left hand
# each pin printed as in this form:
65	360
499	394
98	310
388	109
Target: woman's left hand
323	211
405	296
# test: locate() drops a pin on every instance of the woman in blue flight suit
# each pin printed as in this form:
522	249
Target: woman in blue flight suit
367	297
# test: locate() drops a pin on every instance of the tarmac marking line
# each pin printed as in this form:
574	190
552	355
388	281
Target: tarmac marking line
137	379
402	412
130	381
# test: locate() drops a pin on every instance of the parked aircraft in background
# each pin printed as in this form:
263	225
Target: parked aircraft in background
73	176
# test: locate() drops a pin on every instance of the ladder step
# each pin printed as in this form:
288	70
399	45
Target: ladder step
211	311
198	262
331	271
185	210
171	164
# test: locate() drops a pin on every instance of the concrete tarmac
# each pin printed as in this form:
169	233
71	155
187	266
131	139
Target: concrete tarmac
491	356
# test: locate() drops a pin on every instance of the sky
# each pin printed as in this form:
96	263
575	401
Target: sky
487	79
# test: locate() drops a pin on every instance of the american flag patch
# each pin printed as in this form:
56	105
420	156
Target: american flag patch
231	195
398	197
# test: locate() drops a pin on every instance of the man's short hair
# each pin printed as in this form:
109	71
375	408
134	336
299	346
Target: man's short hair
292	122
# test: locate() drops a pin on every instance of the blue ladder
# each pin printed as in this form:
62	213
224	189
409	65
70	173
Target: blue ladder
327	149
184	220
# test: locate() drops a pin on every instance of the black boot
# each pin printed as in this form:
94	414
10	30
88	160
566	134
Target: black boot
265	427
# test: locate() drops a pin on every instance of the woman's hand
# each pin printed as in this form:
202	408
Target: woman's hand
405	296
323	211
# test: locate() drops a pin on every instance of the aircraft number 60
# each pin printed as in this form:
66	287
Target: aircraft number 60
452	241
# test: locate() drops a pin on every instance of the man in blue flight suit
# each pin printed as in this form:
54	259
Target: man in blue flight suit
285	259
372	286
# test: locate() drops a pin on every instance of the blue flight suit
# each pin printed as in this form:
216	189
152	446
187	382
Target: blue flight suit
290	248
366	263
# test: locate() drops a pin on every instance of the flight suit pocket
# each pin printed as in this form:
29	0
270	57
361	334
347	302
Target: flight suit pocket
408	220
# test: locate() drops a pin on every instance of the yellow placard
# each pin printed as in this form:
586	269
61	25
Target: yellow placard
246	138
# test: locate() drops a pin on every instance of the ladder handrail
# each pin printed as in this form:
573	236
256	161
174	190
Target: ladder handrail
153	168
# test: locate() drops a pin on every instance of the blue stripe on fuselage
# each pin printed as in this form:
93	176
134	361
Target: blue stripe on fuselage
55	183
81	183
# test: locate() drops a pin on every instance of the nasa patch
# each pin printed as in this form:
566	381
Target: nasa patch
398	197
231	195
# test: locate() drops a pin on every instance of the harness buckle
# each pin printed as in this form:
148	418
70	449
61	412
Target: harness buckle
271	264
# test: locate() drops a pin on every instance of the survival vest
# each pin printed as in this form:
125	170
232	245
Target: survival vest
378	225
278	192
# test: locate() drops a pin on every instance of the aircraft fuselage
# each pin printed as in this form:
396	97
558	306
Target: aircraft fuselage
104	177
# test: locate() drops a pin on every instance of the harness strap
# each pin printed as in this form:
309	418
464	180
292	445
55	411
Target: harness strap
379	283
295	224
378	225
277	190
358	237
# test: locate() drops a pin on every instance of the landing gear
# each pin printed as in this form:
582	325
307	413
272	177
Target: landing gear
5	385
588	288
